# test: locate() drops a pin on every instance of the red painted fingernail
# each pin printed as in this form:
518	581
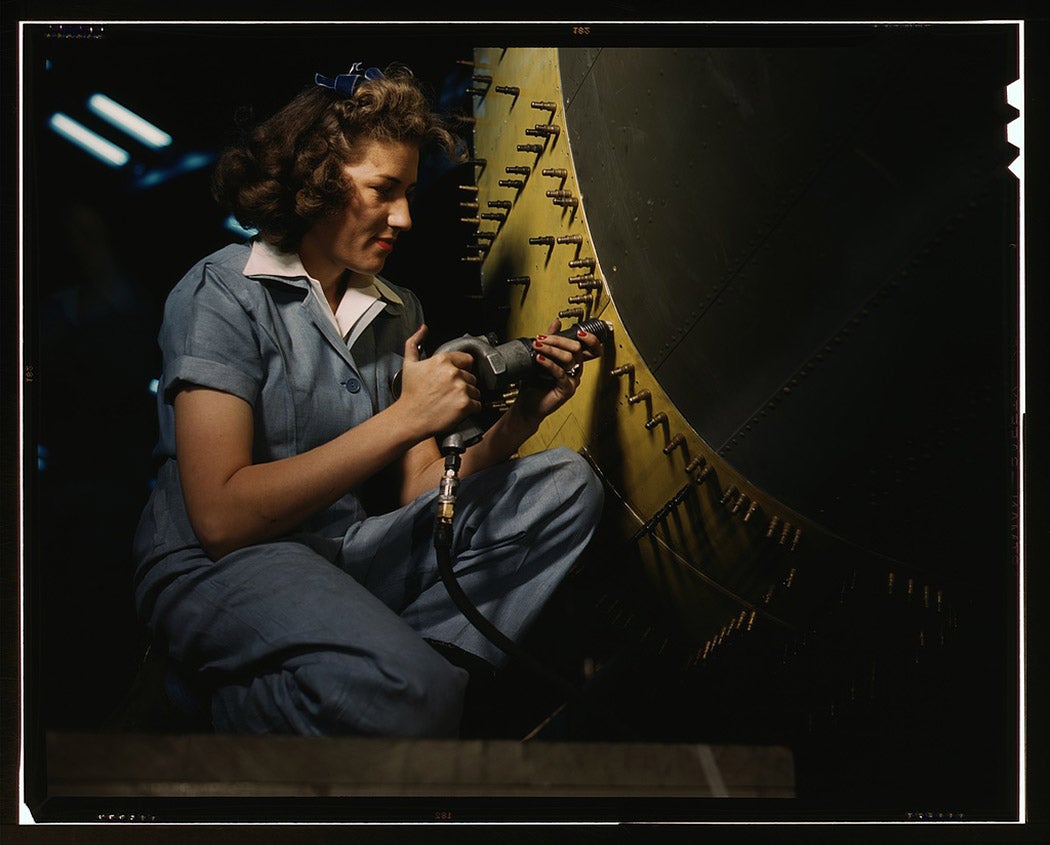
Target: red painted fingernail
541	337
540	358
581	333
537	344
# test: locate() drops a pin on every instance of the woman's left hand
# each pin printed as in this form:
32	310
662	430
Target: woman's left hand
563	359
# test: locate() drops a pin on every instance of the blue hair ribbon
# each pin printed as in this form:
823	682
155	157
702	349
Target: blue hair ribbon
346	83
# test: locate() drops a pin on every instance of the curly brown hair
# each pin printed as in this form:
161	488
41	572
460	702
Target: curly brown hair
288	172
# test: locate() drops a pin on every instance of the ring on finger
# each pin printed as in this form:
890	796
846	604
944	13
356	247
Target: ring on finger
574	371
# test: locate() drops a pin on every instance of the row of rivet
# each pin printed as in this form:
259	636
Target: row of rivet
783	531
743	621
697	464
736	501
481	84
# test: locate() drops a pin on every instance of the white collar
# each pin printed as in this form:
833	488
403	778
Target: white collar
268	260
358	305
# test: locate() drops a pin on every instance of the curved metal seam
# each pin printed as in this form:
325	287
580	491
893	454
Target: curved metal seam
692	567
845	329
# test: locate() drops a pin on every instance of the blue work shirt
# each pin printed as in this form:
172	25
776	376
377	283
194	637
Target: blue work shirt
269	340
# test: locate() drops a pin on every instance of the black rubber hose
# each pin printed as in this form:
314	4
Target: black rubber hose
443	546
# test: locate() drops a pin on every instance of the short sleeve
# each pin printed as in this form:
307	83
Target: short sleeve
209	338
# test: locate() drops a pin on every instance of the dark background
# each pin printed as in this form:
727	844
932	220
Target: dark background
101	255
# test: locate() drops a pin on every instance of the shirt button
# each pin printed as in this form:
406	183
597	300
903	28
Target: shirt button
353	385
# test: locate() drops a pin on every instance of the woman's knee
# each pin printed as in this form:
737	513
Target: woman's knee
400	693
410	692
580	488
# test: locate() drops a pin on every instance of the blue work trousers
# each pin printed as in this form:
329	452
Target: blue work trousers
312	635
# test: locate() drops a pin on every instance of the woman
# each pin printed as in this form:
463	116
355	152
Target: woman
257	565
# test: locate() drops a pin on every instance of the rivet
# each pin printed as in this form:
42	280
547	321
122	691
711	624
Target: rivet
774	523
657	419
676	441
544	130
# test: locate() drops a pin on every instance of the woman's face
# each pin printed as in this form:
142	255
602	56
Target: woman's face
360	236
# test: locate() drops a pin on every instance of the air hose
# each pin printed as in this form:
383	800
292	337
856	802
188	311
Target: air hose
497	367
446	504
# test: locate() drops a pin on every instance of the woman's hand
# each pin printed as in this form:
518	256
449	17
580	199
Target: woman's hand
563	359
233	502
439	391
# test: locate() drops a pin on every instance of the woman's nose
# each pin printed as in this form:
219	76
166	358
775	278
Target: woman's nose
400	217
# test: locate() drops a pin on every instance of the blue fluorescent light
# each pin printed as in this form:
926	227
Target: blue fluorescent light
127	121
195	161
87	140
186	164
154	386
234	226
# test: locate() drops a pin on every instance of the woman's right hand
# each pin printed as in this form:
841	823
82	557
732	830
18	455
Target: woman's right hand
439	391
234	502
